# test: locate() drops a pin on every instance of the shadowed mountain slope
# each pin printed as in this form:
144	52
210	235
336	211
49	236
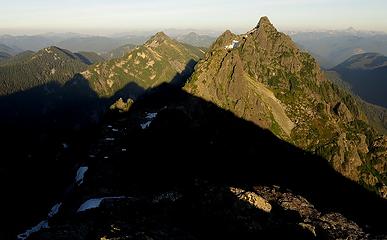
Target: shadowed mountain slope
178	167
367	76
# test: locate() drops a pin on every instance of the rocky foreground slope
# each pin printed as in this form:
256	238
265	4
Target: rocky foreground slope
178	167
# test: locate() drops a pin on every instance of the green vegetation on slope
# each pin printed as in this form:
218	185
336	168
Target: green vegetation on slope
159	60
30	70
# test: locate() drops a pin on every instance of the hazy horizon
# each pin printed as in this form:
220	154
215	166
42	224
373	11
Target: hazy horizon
21	17
147	32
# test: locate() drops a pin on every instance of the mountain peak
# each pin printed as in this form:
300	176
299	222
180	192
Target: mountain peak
225	39
160	36
192	34
156	39
264	22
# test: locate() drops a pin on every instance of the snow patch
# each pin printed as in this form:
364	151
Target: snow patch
110	139
252	31
37	228
54	210
146	125
233	45
42	225
150	116
80	175
95	203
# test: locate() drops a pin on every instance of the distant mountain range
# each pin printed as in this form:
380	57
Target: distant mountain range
7	52
77	42
72	42
331	48
367	76
119	52
4	56
197	40
93	44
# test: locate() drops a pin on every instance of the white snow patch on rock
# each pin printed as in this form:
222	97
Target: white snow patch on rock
54	210
37	228
42	225
95	203
150	117
80	175
233	45
146	125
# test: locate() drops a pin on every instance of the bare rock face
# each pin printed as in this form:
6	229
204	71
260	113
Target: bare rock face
343	112
320	225
231	78
122	106
252	198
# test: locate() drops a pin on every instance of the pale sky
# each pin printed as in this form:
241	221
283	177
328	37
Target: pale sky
118	15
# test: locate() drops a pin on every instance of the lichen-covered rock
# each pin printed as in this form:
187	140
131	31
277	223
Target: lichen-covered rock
252	198
122	106
343	112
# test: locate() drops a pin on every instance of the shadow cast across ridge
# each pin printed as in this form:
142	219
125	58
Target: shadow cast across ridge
37	127
194	139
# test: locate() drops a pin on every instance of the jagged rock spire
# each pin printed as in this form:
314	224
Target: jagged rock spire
265	23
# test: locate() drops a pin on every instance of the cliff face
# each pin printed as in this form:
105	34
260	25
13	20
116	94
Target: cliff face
266	79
